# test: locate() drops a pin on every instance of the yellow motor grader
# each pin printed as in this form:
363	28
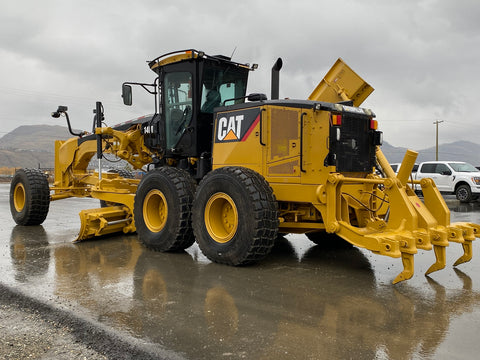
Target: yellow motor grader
231	170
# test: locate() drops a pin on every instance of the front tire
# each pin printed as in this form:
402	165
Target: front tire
235	217
463	193
29	197
163	209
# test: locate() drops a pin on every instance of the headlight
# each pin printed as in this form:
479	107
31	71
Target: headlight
476	180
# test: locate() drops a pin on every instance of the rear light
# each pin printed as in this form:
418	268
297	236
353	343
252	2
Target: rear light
336	119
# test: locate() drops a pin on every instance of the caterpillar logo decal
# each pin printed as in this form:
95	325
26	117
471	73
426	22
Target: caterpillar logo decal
236	125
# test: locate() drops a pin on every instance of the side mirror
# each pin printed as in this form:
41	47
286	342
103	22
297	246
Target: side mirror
446	172
127	94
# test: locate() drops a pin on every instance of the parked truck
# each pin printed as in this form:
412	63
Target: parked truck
451	177
231	171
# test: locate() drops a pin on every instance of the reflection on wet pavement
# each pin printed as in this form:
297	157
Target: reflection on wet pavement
302	302
29	252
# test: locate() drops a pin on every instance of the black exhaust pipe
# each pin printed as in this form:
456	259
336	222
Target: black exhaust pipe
276	78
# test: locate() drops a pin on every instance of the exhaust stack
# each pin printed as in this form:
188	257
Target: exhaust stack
276	78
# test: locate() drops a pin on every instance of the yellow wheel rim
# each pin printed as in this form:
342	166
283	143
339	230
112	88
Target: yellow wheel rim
19	197
221	217
155	210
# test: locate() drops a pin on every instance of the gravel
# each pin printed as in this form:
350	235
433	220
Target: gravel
26	335
30	329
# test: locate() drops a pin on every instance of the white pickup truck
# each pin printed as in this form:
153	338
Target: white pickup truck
452	177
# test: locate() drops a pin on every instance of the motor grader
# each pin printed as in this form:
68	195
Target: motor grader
231	170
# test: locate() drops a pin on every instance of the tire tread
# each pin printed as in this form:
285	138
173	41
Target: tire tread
37	197
265	213
185	187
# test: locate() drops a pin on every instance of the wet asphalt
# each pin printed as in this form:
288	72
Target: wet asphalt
302	302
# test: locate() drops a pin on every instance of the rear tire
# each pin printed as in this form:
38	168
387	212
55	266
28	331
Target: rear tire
163	209
29	197
235	217
463	193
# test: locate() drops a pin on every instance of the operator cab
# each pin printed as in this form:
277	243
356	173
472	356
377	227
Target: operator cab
190	85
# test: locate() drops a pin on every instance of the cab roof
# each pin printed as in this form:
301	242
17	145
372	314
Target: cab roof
182	55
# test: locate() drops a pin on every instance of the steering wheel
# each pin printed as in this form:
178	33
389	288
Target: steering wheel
184	118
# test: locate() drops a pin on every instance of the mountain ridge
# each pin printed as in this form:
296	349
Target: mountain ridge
456	151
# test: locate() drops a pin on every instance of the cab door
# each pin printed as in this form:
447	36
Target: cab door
438	173
443	177
178	106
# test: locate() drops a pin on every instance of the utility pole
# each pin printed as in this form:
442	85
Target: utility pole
436	137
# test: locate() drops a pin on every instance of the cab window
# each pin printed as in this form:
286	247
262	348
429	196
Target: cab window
442	168
220	85
178	105
428	168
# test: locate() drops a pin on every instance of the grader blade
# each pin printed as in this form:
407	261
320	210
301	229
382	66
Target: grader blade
103	221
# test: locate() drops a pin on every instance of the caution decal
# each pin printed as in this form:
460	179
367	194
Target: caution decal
236	125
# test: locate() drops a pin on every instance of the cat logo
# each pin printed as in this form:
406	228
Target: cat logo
229	129
236	125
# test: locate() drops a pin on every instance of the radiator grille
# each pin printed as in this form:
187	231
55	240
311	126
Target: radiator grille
354	151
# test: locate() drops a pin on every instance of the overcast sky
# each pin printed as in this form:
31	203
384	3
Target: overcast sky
422	57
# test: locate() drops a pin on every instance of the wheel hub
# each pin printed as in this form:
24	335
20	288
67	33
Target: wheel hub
221	217
462	194
155	210
19	197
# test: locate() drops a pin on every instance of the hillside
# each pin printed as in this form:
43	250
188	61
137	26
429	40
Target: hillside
34	137
33	146
26	158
